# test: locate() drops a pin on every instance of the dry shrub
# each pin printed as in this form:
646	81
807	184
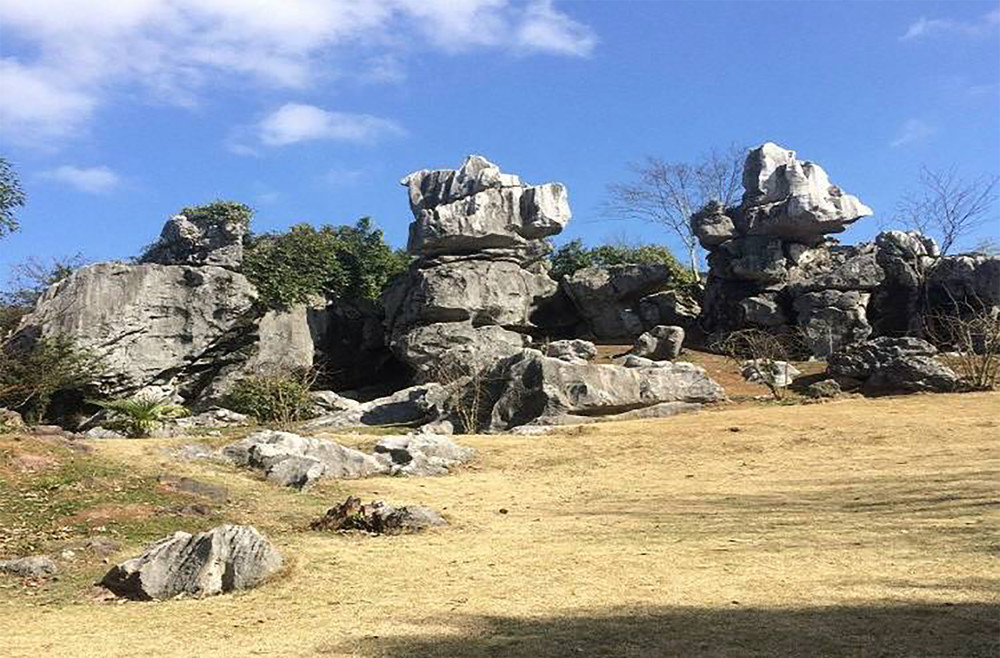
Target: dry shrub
761	352
274	394
971	331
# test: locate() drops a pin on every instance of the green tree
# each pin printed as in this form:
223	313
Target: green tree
336	261
11	198
574	256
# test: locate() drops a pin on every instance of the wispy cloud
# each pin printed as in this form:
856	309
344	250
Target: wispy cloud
912	131
338	177
929	27
76	54
296	122
90	180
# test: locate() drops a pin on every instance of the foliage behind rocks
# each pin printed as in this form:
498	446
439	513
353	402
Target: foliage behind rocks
574	256
337	261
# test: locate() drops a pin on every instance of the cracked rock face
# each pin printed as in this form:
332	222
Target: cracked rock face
224	559
177	329
888	365
478	283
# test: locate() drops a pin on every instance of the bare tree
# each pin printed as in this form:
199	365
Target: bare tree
668	193
946	206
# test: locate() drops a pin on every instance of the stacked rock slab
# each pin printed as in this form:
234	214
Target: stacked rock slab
479	280
771	263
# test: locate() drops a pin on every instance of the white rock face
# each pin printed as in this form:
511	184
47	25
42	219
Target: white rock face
478	281
789	198
224	559
170	328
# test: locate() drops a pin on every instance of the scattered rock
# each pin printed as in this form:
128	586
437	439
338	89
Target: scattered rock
10	421
571	351
224	559
307	458
33	566
763	371
660	343
214	417
377	518
214	492
826	388
423	454
102	433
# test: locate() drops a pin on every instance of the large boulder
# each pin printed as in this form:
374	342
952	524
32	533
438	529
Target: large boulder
608	298
792	199
200	239
177	328
889	364
32	566
224	559
536	389
572	350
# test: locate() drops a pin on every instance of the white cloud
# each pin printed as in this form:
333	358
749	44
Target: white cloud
91	180
928	27
546	30
295	122
911	132
72	56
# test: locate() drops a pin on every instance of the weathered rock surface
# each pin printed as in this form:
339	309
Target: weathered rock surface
224	559
477	286
792	199
537	387
671	308
765	371
377	517
295	461
423	454
176	329
32	566
660	343
826	388
416	405
894	364
608	299
571	351
199	241
831	319
214	417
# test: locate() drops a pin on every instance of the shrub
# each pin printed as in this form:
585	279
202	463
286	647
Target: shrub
273	396
574	256
343	261
971	331
11	198
137	417
31	374
763	355
219	213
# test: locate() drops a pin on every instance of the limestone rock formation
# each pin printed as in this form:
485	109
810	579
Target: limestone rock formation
889	364
478	282
199	240
661	343
538	389
224	559
610	299
175	329
572	350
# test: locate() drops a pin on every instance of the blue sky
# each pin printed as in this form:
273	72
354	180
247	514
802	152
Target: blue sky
118	113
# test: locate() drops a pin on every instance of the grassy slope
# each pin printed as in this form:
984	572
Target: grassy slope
852	528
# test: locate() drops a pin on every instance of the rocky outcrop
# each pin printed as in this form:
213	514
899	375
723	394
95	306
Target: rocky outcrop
618	301
538	389
572	350
478	282
225	559
177	330
889	364
200	239
773	267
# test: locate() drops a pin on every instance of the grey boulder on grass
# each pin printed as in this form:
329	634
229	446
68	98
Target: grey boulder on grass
224	559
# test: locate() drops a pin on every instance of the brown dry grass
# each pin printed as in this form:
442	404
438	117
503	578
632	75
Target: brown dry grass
851	528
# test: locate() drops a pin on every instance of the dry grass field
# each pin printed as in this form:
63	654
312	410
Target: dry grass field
850	528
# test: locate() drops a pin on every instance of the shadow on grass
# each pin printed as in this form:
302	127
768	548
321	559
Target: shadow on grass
889	631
